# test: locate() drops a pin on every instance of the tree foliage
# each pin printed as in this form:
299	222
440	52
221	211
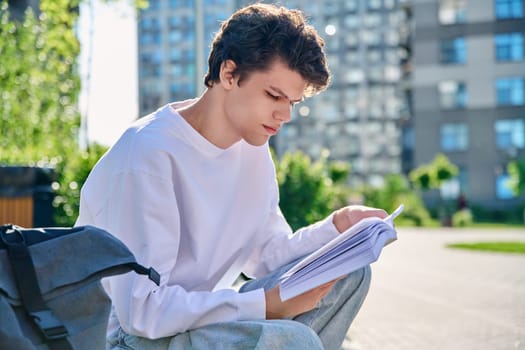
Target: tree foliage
432	175
310	191
39	84
39	89
67	200
395	191
516	170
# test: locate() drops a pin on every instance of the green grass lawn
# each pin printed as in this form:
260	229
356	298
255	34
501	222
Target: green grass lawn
504	247
496	225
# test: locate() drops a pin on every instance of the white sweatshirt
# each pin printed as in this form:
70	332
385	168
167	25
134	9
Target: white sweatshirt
199	215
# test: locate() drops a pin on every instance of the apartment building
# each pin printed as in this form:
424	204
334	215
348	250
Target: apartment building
468	93
358	119
174	37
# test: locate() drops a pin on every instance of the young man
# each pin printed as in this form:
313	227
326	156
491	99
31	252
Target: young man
191	190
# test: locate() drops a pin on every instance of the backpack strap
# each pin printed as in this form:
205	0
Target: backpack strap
142	270
54	331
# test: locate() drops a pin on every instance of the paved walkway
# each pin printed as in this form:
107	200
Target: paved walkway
425	296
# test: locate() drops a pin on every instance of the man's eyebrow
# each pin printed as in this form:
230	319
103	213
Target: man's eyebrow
279	91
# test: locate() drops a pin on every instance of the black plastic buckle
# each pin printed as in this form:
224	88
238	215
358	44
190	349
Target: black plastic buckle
154	275
11	234
49	324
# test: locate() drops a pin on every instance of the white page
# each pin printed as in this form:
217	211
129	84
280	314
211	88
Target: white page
334	269
349	247
353	249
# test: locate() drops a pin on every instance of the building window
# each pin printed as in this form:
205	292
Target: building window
181	91
453	51
153	4
452	11
352	21
150	102
392	38
151	64
330	9
177	4
506	9
503	190
176	70
455	187
389	4
150	31
352	40
150	97
189	70
351	5
174	22
149	24
372	37
175	55
510	91
374	4
175	36
407	138
372	19
454	137
510	133
509	47
452	94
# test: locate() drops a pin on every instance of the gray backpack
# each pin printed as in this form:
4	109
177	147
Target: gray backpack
50	291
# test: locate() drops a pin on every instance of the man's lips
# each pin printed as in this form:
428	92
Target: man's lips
271	130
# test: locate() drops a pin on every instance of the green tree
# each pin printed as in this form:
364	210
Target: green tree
67	200
516	170
395	191
39	87
39	90
308	193
39	84
432	175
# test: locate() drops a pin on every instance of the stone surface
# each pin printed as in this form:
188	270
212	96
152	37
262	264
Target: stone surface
426	296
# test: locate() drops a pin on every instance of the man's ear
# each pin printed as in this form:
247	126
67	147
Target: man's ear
226	74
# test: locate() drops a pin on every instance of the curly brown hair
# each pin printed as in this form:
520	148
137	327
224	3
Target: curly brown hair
255	36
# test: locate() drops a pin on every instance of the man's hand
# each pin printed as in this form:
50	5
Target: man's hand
348	216
343	219
277	309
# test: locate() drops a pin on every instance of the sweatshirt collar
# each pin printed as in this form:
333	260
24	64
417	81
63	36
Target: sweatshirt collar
191	135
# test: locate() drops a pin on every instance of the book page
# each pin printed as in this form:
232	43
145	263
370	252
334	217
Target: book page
353	249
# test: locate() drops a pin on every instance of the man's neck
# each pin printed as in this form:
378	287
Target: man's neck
206	116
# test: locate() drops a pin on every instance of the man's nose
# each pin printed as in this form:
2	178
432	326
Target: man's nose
284	114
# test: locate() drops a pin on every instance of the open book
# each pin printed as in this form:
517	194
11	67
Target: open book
353	249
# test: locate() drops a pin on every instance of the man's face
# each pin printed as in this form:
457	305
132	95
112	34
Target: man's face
258	106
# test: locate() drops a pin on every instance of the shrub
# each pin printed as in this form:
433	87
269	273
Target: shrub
394	192
462	218
70	179
308	193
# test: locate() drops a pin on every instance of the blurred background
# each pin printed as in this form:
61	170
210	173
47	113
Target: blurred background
426	106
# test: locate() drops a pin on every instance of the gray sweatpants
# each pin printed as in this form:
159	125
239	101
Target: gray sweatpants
324	327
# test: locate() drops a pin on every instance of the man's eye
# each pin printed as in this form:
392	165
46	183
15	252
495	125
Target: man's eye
273	96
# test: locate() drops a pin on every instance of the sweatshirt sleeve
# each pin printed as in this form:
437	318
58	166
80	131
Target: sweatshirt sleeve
141	209
282	245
